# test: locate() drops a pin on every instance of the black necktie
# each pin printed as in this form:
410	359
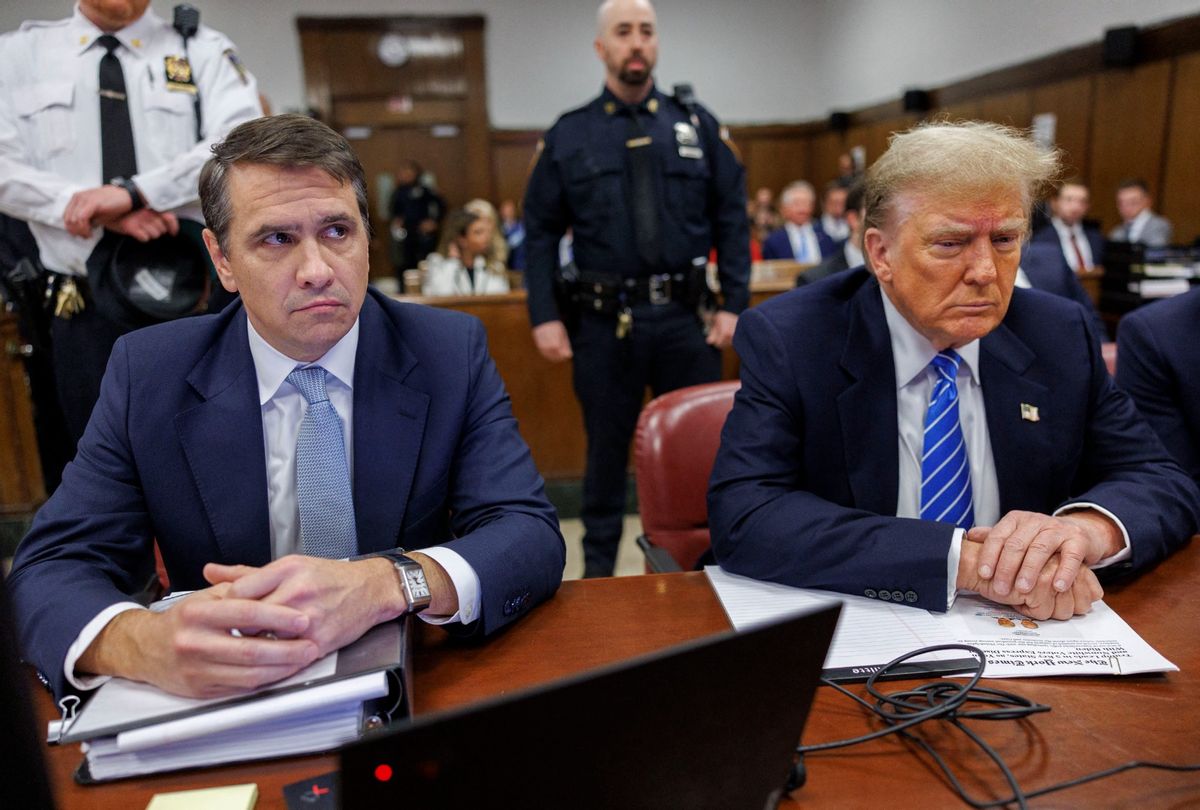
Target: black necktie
644	192
116	133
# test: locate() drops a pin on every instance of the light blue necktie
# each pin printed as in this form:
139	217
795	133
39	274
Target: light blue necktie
323	492
803	256
945	470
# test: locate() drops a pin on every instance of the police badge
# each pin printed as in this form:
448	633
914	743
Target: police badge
179	74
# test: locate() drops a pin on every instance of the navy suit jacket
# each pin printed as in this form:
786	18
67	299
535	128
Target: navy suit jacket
805	483
778	246
174	453
1095	240
1158	360
1048	271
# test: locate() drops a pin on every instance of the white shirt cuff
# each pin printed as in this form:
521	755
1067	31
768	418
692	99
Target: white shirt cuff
466	585
952	566
84	640
1122	555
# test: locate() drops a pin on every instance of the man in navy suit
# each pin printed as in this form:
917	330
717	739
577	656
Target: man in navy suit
1158	355
197	443
1043	268
1081	244
801	238
921	429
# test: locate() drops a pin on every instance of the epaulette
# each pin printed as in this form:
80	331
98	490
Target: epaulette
29	25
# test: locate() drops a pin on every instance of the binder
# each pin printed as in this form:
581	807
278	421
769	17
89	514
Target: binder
130	729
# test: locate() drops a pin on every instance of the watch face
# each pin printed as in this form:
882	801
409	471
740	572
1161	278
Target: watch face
417	586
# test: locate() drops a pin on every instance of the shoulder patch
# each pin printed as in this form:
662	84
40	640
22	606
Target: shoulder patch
232	56
728	141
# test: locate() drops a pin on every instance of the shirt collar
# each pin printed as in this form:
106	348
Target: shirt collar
650	105
793	228
1065	229
84	33
912	352
1140	218
272	366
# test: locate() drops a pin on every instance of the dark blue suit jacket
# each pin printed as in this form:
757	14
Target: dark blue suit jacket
778	246
1158	363
174	453
1048	271
805	483
1095	240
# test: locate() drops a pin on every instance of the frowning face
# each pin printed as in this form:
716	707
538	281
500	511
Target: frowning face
949	265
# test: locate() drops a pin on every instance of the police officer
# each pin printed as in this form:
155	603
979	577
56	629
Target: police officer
99	130
648	186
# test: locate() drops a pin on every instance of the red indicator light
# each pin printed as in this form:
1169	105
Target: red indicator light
383	773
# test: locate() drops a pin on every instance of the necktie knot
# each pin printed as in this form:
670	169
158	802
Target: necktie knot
310	382
109	43
946	364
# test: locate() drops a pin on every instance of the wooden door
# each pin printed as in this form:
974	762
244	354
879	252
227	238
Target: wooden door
403	87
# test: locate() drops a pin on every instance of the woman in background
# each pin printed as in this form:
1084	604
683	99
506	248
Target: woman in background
465	262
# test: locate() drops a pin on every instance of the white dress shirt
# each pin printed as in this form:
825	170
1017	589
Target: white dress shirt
911	355
853	254
1065	232
1135	226
283	409
804	242
50	121
837	229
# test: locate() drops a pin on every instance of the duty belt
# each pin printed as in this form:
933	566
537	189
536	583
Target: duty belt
599	292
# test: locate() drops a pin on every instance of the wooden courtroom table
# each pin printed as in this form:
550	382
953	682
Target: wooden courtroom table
1096	722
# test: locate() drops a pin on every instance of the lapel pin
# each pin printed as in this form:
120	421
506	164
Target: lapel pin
1029	412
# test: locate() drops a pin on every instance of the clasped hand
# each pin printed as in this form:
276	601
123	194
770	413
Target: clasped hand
1038	563
287	614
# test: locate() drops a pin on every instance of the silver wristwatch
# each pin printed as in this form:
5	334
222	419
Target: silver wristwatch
412	580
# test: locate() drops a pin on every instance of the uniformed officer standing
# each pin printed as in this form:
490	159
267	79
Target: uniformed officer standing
99	130
648	186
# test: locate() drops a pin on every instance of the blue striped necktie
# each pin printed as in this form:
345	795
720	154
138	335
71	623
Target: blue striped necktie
945	469
323	493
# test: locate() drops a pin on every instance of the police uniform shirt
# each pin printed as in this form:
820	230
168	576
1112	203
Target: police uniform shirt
582	181
50	120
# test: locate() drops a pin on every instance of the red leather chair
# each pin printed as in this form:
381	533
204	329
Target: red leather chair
673	450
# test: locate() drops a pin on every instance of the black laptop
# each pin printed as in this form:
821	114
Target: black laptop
708	724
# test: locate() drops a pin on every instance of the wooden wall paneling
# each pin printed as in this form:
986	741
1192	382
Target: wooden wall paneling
824	150
960	111
21	487
512	160
316	71
773	161
880	132
1180	197
1012	109
1129	122
476	135
1071	103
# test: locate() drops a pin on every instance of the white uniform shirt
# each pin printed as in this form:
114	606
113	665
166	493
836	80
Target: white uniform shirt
50	121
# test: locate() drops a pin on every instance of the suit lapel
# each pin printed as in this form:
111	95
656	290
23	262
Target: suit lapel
389	426
1017	433
867	407
222	439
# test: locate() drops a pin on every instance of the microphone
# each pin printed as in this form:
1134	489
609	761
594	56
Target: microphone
187	20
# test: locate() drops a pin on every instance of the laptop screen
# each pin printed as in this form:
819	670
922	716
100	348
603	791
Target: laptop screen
710	723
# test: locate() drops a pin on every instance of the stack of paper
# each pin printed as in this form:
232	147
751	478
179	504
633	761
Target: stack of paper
131	728
871	633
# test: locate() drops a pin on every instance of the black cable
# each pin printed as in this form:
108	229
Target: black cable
951	701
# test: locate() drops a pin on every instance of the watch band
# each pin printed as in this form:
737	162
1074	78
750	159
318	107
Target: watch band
412	578
132	189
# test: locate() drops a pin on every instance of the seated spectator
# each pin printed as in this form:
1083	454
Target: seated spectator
1043	268
833	212
921	429
464	263
1081	244
1158	356
849	253
484	209
1139	223
800	239
514	235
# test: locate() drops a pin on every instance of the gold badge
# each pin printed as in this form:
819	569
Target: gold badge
610	107
1029	412
179	74
652	105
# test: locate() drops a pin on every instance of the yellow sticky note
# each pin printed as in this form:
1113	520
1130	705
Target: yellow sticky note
229	797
